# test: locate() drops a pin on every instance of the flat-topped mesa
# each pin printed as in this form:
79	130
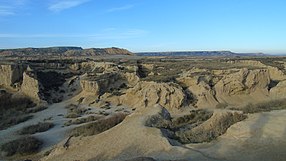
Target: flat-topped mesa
64	51
106	51
10	75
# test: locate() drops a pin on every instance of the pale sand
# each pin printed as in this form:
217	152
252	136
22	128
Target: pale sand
260	137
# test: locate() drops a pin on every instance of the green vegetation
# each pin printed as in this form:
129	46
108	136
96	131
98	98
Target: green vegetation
40	127
22	146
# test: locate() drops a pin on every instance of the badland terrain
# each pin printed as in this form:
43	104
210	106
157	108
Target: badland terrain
74	104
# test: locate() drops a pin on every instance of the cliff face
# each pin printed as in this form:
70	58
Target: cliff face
204	95
243	87
98	85
10	74
147	94
234	86
31	86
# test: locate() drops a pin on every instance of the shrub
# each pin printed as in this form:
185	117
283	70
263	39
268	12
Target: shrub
74	111
40	127
22	146
265	106
98	126
210	130
36	109
9	121
221	106
82	120
195	117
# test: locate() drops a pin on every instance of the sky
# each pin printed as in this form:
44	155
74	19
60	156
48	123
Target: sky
146	25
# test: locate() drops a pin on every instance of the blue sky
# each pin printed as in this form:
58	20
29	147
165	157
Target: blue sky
146	25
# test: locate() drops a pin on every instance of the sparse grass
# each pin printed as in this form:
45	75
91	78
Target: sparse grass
13	110
221	106
98	126
197	127
82	120
264	107
194	118
40	127
10	120
210	130
74	111
36	109
22	146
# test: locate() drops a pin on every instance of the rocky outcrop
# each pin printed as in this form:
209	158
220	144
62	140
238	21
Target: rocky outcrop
200	89
10	74
279	91
147	94
232	87
243	82
276	74
252	63
31	86
99	84
94	67
131	79
243	86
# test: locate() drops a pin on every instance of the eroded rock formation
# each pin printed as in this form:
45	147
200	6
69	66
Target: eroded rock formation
31	86
147	94
10	74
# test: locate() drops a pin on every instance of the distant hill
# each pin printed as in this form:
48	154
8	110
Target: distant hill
199	53
64	51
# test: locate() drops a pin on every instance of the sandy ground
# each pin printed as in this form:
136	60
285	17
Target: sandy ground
54	113
262	137
259	138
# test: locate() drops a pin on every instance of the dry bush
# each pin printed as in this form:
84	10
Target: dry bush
197	127
194	118
40	127
10	120
209	130
98	126
36	109
22	146
264	107
13	110
82	120
221	106
74	111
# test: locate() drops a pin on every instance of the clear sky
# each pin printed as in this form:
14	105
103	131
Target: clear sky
146	25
